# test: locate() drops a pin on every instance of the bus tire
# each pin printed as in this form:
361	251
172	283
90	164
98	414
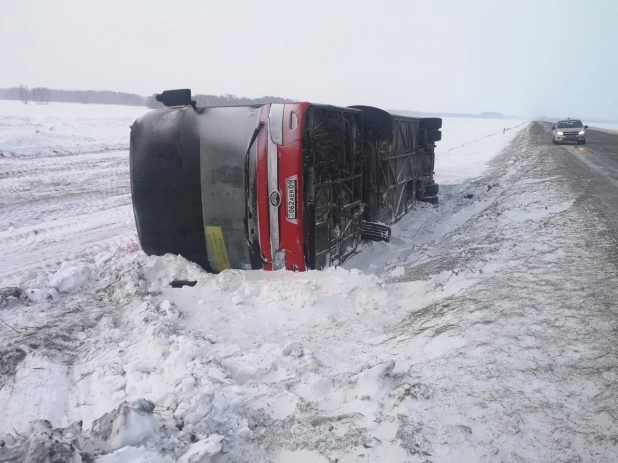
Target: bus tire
434	135
431	123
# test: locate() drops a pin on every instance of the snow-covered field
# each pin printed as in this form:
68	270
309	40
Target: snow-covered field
64	128
468	144
64	185
611	127
431	348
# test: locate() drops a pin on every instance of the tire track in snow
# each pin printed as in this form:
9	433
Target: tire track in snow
54	208
61	187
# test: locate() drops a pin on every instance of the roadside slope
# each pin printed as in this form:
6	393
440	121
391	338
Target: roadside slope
491	338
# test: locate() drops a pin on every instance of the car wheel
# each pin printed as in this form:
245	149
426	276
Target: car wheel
583	142
554	142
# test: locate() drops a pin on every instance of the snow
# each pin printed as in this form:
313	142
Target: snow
134	455
132	426
201	451
448	344
467	146
64	128
63	191
219	351
604	126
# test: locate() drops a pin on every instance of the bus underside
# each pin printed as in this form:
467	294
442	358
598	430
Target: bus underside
333	164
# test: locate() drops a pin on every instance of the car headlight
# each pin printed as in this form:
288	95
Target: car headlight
559	134
582	132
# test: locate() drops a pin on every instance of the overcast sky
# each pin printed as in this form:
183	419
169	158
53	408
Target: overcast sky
530	58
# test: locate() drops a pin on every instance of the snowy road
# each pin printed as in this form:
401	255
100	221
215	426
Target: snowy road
600	152
486	331
594	167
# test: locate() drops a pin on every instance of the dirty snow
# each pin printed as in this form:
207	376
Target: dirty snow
460	341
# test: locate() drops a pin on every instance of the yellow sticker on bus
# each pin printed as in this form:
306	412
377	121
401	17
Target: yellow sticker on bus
215	247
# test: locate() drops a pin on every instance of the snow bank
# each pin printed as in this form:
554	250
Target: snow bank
218	363
214	359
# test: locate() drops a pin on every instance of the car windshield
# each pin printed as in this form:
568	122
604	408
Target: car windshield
570	125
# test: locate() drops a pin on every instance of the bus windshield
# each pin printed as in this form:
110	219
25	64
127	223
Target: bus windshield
225	134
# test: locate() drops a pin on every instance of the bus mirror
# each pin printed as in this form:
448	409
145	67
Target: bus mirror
181	97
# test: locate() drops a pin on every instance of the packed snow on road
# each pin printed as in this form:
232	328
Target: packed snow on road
447	344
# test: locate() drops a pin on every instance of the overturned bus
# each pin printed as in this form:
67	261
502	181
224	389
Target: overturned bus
274	186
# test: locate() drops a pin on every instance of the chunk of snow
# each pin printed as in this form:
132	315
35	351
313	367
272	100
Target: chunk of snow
370	382
69	278
201	451
170	309
294	349
37	295
128	425
201	406
54	294
245	433
398	272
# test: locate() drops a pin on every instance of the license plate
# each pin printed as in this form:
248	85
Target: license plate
291	198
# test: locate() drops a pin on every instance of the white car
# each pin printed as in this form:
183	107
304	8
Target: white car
570	131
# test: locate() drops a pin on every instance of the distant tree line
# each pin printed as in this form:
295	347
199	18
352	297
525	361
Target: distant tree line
38	95
44	95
